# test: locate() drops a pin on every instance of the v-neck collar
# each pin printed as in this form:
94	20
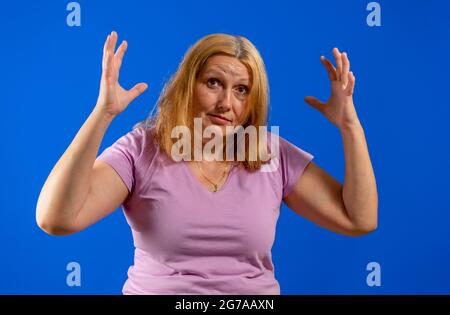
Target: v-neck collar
202	187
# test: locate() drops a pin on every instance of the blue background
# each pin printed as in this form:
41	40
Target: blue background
50	76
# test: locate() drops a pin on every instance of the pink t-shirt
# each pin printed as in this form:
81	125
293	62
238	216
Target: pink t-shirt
189	240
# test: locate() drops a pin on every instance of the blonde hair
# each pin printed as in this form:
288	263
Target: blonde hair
175	103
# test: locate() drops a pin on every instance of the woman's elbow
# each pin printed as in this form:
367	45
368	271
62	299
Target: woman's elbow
53	228
361	231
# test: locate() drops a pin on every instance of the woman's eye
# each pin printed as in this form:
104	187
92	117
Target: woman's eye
212	81
243	90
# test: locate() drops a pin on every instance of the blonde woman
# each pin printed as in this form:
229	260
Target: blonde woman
207	226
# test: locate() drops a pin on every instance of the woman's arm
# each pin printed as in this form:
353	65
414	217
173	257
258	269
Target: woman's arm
318	197
78	192
67	186
360	190
350	209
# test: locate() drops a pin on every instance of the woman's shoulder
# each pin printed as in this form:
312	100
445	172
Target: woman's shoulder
286	151
140	141
277	143
143	131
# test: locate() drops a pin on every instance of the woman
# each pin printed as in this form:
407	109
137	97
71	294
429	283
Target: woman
206	226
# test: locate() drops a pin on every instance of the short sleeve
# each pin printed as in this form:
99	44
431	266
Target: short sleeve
123	155
293	163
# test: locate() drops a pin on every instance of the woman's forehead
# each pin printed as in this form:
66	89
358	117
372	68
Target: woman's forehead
226	65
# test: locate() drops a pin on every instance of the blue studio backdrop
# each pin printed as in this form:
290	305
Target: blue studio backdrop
49	85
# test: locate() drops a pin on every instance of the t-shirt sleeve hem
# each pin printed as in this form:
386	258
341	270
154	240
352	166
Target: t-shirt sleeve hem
297	176
119	169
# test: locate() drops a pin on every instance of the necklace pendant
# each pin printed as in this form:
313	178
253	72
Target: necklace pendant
214	189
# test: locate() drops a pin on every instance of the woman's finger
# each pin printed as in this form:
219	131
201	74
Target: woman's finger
119	55
330	68
345	68
315	103
108	65
113	42
351	83
105	49
137	90
337	56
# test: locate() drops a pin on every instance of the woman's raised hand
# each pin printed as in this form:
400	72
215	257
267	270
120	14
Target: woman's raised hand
112	98
339	108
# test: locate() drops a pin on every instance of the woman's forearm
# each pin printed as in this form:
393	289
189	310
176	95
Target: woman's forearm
67	186
359	190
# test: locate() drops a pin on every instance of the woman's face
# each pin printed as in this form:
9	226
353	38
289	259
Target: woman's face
221	90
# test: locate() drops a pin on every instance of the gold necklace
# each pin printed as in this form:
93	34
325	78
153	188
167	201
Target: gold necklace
214	188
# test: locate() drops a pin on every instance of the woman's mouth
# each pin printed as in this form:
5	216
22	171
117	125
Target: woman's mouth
219	120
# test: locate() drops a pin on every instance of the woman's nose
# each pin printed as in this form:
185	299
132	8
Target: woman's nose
226	99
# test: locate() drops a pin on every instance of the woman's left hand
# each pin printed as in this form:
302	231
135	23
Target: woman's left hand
339	109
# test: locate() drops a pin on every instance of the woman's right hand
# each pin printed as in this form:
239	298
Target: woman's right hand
113	99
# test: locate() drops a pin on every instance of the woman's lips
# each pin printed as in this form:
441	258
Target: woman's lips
219	120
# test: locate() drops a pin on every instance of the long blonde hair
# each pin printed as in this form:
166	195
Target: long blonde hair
175	103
